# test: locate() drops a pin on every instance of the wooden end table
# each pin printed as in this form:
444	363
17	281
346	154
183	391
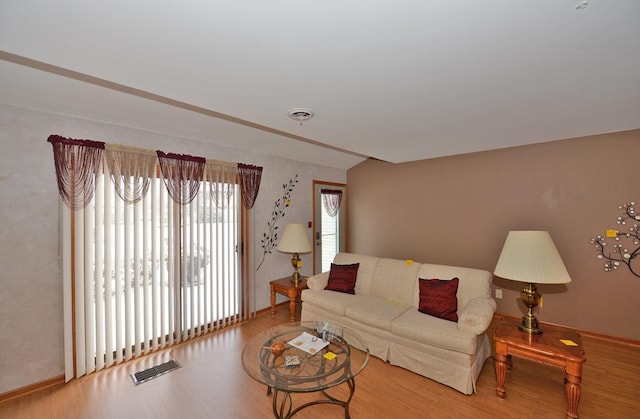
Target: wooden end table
546	348
285	286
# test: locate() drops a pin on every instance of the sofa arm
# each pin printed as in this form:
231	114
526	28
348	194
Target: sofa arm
476	316
318	282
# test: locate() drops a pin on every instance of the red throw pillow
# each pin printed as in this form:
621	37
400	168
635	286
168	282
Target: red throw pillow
438	298
342	278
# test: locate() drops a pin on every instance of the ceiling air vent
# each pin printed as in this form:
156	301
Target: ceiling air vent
300	114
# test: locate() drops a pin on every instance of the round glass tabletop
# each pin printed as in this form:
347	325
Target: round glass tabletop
305	356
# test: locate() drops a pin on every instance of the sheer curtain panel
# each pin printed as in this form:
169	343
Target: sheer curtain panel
331	199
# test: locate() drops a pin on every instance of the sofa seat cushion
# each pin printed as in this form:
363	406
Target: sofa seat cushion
433	331
331	301
375	311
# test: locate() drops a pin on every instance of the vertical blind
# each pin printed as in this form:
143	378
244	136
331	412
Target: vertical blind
142	270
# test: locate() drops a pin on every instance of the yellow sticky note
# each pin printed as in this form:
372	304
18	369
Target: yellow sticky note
329	355
612	233
568	342
299	264
409	262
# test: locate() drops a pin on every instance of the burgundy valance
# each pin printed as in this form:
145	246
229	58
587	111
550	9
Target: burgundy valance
77	163
182	175
250	177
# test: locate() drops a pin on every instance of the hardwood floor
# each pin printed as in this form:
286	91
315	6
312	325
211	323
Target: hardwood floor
212	384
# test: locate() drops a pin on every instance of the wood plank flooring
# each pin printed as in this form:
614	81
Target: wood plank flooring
212	384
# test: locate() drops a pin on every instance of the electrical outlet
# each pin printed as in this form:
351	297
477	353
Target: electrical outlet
498	293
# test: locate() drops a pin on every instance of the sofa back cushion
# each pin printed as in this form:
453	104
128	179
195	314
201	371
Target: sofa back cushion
395	280
473	283
365	270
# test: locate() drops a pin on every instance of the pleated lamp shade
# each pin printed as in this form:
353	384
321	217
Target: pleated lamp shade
294	239
531	256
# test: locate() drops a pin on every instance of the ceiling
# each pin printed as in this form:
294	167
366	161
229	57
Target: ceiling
396	80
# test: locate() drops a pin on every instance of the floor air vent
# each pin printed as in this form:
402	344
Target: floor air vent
153	372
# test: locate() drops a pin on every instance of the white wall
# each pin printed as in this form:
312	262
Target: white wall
31	341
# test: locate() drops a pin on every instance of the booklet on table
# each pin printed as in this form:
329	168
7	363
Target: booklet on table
308	343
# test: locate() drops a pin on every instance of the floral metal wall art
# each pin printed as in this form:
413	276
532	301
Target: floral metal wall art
625	249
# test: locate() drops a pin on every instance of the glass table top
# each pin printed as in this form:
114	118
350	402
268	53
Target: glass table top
305	356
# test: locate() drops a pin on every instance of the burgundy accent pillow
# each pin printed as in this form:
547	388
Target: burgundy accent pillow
342	278
438	298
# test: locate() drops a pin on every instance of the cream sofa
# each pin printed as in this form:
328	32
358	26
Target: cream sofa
384	311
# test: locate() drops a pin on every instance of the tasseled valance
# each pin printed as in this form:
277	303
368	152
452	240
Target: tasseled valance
78	161
250	177
182	175
331	199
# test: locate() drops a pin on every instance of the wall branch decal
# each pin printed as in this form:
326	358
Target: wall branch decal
626	248
270	237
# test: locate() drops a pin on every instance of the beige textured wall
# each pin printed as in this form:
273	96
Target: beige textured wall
458	210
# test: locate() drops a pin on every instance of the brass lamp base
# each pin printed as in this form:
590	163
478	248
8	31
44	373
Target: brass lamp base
295	262
530	298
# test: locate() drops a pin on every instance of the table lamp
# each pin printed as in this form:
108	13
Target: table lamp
294	240
531	257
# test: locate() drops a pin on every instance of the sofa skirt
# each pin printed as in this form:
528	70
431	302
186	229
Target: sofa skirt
454	369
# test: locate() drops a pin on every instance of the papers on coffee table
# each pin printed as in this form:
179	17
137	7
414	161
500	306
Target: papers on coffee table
308	343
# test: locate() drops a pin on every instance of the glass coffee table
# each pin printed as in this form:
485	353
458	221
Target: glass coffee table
305	357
